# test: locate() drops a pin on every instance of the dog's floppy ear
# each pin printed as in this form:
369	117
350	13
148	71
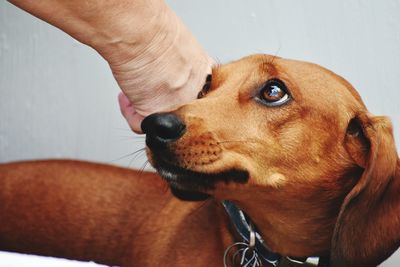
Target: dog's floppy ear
367	230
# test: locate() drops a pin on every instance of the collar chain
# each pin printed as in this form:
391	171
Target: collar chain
253	250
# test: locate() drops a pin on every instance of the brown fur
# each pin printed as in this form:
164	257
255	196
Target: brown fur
323	180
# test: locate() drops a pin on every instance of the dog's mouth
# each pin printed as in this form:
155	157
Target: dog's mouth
192	185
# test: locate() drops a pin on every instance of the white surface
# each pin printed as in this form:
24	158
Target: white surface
58	98
20	260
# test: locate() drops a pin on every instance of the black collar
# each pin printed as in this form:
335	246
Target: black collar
244	227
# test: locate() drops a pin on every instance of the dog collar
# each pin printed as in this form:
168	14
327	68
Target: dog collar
254	243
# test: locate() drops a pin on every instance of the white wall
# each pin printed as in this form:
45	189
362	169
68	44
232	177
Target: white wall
58	98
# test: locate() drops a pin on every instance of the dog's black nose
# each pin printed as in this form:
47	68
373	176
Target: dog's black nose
162	128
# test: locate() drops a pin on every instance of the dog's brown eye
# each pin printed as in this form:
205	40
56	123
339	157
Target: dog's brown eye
274	93
206	87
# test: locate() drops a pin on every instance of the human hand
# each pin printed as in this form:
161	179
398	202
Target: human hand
156	61
133	118
169	71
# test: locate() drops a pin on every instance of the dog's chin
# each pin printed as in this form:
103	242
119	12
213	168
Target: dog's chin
192	185
189	195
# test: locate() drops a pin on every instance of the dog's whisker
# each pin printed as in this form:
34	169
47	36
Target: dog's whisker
134	137
144	165
137	155
276	54
129	138
130	154
216	60
141	136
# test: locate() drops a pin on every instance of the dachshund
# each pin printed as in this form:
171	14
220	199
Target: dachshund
278	156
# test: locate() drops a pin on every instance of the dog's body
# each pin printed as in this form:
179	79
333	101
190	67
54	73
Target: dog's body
288	142
114	216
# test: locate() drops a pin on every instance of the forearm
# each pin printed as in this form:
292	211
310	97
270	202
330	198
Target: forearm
155	59
103	24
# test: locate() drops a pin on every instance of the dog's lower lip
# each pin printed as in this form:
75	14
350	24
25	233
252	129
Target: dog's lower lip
175	181
186	179
167	175
183	191
180	178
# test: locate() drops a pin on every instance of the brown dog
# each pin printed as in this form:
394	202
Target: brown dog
288	142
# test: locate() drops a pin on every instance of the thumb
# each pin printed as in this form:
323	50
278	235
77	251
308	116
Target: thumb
133	118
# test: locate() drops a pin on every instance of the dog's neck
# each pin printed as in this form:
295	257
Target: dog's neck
303	224
253	241
293	228
302	237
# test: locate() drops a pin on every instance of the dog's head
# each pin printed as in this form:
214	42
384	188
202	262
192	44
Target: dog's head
291	140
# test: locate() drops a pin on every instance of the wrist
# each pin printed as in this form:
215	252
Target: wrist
167	71
134	32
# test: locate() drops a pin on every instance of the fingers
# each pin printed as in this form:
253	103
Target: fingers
133	118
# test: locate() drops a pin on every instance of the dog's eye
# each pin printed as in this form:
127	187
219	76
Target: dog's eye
206	87
274	93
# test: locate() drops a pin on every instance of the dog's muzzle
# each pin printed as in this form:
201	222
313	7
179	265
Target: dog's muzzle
164	138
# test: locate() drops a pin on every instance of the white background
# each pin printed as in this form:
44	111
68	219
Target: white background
58	97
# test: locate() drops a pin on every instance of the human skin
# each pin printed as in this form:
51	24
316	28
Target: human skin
155	59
